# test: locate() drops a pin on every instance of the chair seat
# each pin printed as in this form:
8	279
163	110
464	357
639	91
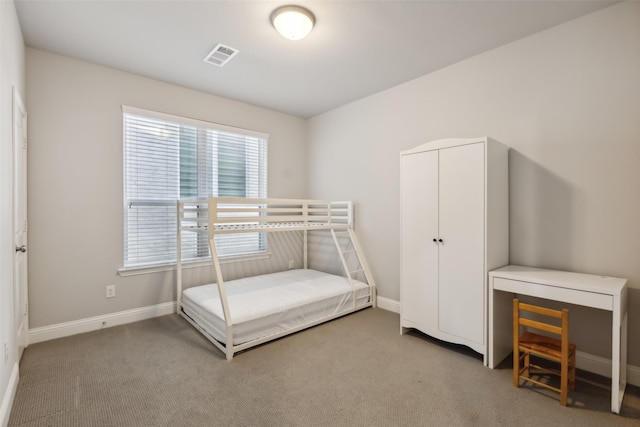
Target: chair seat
543	345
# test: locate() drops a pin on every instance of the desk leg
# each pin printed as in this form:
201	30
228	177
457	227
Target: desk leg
619	352
500	326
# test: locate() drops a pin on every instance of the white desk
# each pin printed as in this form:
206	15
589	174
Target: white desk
605	293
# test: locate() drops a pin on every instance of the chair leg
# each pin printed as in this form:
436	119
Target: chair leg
516	368
572	372
564	382
527	364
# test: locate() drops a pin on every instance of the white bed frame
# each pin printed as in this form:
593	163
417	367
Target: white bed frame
225	215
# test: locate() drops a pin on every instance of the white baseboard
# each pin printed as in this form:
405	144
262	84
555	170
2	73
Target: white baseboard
590	363
9	395
633	375
388	304
585	361
602	366
80	326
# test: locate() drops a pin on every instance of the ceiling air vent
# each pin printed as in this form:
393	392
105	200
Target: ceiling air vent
220	55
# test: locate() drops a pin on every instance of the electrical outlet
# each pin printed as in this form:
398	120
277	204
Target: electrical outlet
291	265
111	291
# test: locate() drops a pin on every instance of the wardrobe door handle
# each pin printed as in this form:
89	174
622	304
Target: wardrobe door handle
440	240
435	240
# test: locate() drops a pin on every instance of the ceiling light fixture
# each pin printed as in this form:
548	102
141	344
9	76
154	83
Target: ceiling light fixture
293	22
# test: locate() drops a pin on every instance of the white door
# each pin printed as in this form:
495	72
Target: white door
419	260
20	301
461	285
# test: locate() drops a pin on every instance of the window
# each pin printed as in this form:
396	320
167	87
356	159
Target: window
167	158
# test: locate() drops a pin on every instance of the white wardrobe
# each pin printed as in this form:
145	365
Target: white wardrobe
455	228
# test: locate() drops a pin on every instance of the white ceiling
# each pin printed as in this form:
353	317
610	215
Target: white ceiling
356	49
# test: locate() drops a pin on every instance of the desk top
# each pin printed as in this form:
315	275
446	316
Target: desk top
564	279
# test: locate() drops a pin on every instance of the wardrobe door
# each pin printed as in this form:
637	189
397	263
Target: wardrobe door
461	262
419	253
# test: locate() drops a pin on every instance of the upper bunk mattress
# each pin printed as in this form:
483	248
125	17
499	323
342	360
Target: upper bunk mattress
264	305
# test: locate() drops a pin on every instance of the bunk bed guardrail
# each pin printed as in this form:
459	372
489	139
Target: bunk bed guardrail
233	214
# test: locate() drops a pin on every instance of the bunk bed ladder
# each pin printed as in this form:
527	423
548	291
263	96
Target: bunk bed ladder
361	267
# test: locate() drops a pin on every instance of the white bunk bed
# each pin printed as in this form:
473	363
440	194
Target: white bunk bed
238	314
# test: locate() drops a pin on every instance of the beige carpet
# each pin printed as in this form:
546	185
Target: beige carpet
354	371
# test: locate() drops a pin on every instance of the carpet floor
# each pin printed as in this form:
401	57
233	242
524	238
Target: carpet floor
354	371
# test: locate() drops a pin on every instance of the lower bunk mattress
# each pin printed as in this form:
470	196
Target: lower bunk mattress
264	305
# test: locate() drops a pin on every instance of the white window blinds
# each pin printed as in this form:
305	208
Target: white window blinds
167	158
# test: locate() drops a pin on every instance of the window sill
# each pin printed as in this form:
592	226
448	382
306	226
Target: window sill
134	271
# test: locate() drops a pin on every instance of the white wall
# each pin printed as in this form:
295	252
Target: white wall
75	181
566	100
12	68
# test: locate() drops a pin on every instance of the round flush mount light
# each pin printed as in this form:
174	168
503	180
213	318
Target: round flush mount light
293	22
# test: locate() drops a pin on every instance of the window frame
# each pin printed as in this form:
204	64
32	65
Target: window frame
167	265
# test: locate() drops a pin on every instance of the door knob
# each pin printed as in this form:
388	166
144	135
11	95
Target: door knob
22	248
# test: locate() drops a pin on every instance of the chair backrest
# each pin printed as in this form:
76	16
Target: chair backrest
563	315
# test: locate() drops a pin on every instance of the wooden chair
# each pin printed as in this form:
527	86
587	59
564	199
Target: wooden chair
530	343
